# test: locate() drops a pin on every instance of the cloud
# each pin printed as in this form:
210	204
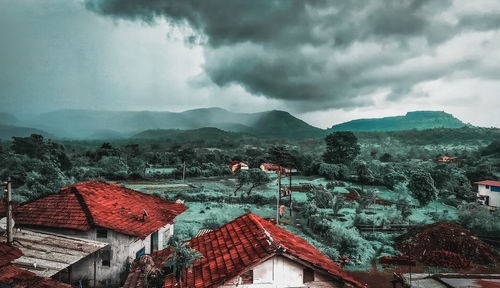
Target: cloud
316	55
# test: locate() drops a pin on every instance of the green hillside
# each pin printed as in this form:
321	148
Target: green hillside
412	120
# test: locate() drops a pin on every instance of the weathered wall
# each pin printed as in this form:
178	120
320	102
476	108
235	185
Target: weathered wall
494	196
123	252
282	272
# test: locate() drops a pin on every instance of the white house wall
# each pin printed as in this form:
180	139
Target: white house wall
281	272
123	252
494	196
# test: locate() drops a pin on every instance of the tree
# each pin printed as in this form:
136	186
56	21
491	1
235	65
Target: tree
257	178
182	258
364	173
281	155
341	147
422	186
337	204
404	206
243	178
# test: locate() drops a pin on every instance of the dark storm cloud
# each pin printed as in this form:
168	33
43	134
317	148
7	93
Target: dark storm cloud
313	54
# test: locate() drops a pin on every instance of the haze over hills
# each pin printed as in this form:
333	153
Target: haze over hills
412	120
88	124
94	124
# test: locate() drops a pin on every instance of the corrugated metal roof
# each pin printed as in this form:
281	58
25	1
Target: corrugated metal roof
46	254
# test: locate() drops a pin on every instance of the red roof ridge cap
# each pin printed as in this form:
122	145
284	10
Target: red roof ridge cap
269	237
83	204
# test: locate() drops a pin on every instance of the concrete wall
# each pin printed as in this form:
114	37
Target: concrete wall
282	272
123	252
494	196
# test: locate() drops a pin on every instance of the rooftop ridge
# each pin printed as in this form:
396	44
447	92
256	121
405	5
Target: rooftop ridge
84	206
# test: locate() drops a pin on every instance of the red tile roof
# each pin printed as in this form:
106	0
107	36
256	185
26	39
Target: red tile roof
8	254
244	242
489	182
95	203
10	274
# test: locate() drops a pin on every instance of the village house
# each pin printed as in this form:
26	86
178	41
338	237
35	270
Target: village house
249	252
13	276
488	193
47	255
237	165
270	168
131	222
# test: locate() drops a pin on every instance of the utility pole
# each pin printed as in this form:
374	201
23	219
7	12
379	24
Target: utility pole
183	171
8	206
278	197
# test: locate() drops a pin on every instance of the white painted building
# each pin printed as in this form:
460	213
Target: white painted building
131	222
488	193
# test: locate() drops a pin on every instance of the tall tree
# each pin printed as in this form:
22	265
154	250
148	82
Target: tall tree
364	173
341	148
422	186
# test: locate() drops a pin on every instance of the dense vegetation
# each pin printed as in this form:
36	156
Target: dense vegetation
403	163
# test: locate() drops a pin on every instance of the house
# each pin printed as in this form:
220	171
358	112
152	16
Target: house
249	252
237	165
13	276
488	193
450	280
61	254
447	159
271	168
133	223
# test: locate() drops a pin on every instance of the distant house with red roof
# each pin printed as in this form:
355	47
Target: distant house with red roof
237	165
250	252
488	193
446	159
271	168
133	223
13	276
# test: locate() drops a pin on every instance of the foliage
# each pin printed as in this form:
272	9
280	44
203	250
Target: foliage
341	148
479	219
182	258
422	186
333	171
365	175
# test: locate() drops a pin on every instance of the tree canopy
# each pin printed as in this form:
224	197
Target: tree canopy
341	148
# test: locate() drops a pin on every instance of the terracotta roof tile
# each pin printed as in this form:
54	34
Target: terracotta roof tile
94	203
246	241
8	254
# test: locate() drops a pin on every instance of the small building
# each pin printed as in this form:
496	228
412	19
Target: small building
447	159
133	223
249	252
51	255
237	165
13	276
446	280
271	168
488	193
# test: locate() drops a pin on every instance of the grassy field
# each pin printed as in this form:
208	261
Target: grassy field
211	202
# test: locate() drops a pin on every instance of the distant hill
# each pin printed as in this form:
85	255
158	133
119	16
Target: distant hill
203	134
7	132
8	119
419	120
82	124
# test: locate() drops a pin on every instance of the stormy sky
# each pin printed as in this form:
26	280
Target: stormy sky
323	61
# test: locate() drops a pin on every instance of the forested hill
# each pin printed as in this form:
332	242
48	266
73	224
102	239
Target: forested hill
412	120
86	124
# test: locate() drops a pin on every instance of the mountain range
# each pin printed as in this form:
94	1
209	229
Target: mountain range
99	124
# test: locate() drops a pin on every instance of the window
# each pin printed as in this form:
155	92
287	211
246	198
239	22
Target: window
140	253
247	277
154	242
106	256
308	275
487	186
102	233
